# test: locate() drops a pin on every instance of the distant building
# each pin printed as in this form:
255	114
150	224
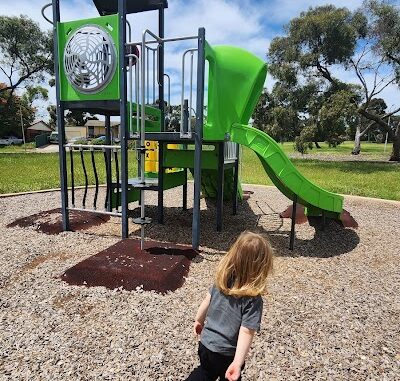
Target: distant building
37	128
95	128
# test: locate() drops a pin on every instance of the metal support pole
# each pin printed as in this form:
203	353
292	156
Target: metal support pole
293	226
235	184
220	186
123	114
107	125
162	117
60	122
185	191
198	139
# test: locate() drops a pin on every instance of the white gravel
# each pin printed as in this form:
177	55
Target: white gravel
332	312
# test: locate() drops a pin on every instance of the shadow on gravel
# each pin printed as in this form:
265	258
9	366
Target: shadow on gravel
331	241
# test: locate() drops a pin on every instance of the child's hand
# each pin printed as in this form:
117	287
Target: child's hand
197	328
233	372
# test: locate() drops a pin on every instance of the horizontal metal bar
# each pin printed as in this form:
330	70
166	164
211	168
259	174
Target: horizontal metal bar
164	40
91	146
116	214
167	137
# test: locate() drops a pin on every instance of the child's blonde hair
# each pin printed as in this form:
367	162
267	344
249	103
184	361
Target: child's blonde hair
244	269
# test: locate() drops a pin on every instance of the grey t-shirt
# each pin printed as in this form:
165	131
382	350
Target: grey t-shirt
226	314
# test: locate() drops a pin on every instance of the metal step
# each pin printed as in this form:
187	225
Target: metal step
149	184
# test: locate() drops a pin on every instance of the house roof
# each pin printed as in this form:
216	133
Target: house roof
108	7
40	126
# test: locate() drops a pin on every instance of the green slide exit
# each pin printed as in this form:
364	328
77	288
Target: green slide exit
284	174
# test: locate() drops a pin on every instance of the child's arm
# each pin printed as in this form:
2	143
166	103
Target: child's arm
201	314
243	346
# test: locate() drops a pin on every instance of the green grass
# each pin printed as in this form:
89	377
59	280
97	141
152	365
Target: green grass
16	149
372	150
26	172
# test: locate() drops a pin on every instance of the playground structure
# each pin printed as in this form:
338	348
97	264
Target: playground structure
99	69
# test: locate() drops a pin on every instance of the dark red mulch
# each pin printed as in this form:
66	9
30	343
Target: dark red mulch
301	218
160	267
50	221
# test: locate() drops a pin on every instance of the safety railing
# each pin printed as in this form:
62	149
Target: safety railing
231	151
111	187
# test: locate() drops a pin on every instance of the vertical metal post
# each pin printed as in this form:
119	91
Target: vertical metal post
162	117
198	138
184	191
220	186
293	226
235	183
107	126
60	122
123	116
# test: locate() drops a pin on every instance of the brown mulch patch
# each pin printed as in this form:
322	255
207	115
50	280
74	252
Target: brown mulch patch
50	221
159	267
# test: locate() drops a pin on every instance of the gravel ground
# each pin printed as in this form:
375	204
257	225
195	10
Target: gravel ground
332	312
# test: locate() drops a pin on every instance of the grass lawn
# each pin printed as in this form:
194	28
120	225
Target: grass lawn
380	180
370	150
16	149
25	172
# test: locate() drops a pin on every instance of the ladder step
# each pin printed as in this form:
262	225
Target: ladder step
142	221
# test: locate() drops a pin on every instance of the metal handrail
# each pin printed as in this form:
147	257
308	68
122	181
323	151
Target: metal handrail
131	56
91	146
44	16
161	40
189	132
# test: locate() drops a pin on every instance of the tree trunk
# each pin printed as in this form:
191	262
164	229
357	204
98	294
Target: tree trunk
395	156
357	142
317	145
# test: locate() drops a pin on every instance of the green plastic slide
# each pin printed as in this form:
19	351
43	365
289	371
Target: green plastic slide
284	174
236	79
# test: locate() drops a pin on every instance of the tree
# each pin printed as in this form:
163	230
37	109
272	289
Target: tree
10	121
326	37
72	118
385	30
25	55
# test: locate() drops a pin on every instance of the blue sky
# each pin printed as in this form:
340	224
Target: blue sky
250	24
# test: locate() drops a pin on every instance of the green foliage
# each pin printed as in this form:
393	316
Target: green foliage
10	117
303	142
25	52
316	44
385	28
25	58
337	114
78	118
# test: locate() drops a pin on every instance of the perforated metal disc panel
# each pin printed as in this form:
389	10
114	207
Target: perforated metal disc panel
89	59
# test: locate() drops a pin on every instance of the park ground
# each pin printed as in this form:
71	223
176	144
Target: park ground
331	313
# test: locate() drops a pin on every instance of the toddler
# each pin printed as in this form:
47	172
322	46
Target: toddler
230	314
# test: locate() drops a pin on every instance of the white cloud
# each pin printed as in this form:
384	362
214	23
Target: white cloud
247	24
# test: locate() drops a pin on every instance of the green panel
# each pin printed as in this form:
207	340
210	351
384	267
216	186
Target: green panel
185	159
209	184
133	195
284	175
174	179
64	29
236	79
152	121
